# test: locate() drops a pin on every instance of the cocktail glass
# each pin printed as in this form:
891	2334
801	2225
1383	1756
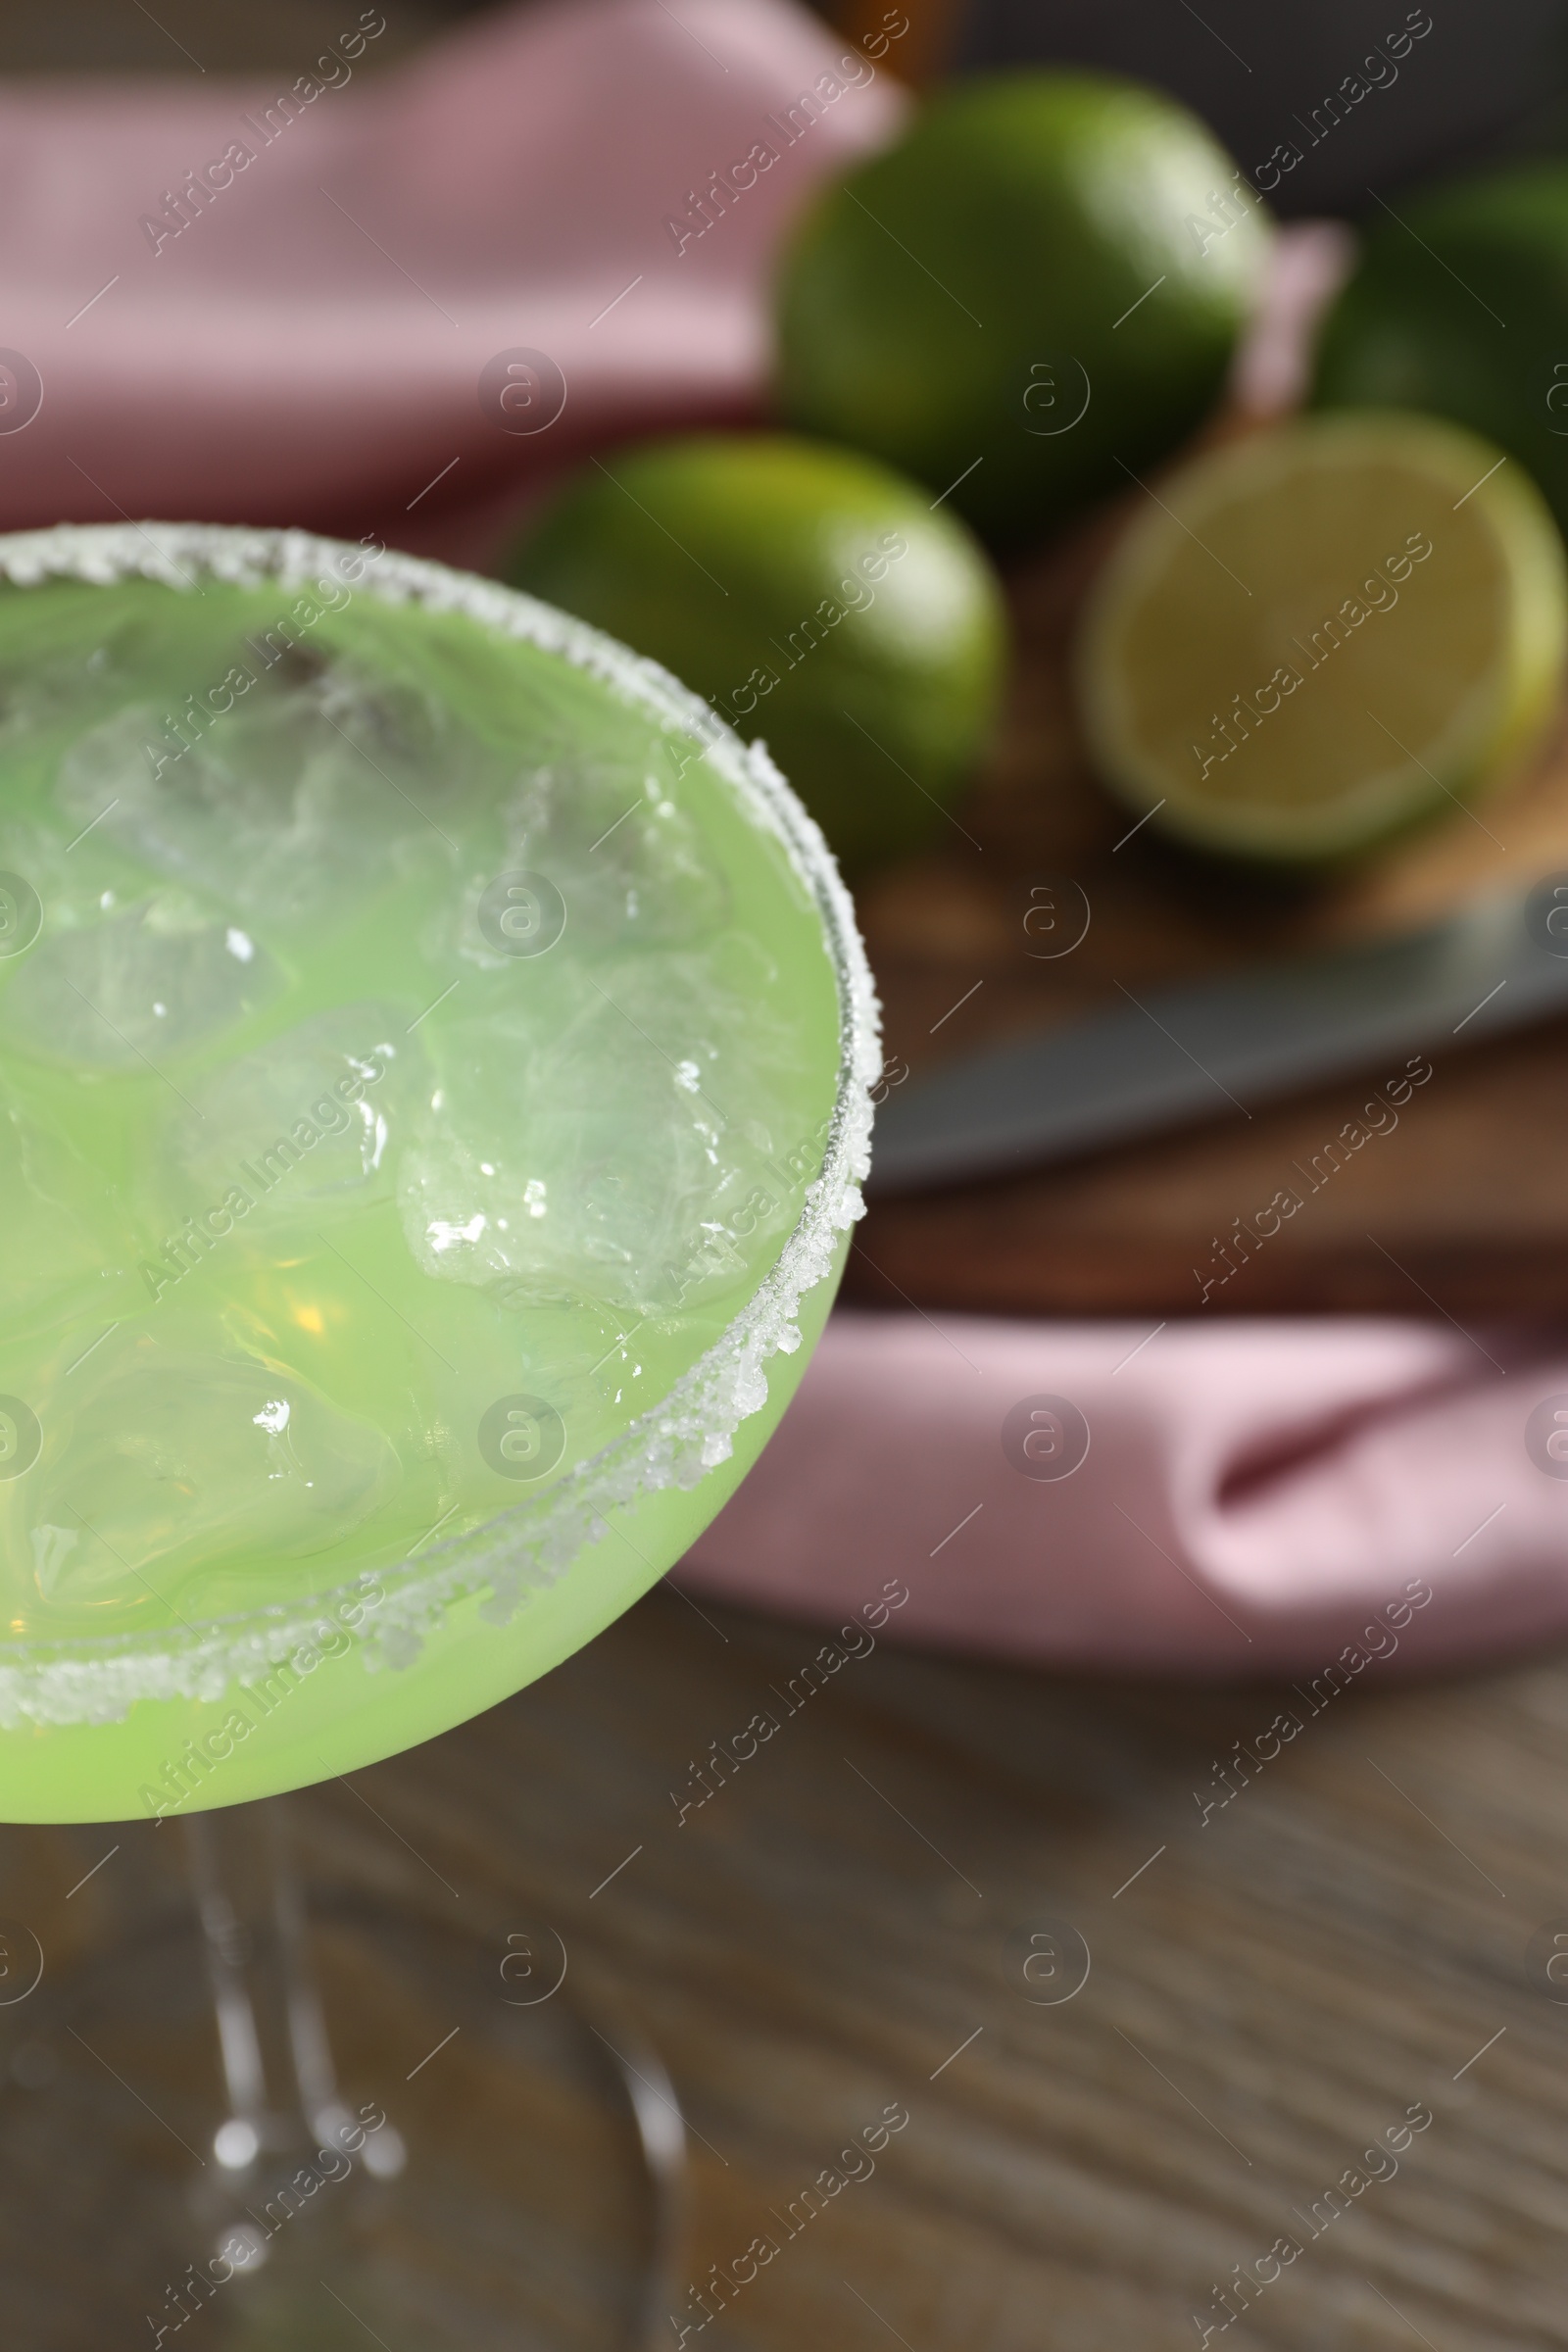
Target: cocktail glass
434	1067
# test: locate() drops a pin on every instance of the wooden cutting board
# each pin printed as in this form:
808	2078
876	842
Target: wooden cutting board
1462	1210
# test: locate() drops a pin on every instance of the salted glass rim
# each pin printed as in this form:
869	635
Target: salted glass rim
691	1429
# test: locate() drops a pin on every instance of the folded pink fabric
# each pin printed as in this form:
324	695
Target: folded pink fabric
1227	1499
296	301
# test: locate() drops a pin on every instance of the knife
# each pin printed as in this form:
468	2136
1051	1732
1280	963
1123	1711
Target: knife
1170	1056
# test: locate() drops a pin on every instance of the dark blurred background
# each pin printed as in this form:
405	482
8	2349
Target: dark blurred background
220	36
1484	82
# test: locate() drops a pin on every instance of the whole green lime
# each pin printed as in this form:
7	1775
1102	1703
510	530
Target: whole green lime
1459	305
1036	291
813	597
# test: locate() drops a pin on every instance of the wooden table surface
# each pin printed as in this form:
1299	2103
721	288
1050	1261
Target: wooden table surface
848	1924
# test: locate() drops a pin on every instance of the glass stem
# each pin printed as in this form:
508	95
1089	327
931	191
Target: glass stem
281	2091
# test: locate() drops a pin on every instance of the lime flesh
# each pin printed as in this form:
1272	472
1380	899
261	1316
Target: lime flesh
1316	637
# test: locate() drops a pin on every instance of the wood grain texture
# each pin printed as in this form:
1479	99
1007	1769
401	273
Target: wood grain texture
1270	1994
1466	1203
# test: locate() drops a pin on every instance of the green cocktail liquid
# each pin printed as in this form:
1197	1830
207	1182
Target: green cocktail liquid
415	1050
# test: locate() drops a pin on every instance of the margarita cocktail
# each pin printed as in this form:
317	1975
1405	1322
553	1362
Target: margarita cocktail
433	1058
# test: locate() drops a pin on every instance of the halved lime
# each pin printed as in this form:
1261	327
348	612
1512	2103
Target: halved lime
1315	637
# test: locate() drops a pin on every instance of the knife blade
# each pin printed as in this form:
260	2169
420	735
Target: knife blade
1173	1057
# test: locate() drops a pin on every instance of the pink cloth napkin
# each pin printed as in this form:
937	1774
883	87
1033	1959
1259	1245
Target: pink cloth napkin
310	336
1254	1497
398	302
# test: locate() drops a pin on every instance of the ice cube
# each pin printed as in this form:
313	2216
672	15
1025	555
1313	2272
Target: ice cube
164	1458
291	802
61	1253
605	1136
610	835
138	986
51	672
324	1105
